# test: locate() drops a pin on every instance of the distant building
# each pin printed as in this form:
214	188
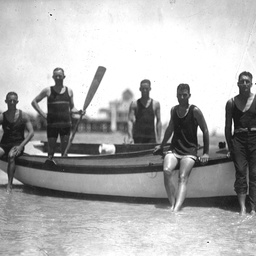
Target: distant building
114	118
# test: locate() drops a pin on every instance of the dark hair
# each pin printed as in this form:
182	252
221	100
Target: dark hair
145	81
11	93
57	69
245	73
183	87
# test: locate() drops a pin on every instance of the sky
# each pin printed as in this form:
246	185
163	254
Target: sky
205	43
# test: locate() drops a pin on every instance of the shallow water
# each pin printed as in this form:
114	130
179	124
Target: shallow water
38	222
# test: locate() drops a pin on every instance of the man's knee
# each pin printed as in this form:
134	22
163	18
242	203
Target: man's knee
167	171
170	163
11	156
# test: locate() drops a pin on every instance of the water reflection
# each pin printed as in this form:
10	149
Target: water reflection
37	223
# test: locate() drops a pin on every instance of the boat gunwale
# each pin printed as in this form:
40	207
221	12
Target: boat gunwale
156	165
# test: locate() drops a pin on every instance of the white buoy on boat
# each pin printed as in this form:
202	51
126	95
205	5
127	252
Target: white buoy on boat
107	149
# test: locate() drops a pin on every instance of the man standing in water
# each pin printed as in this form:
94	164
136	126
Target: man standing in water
143	114
14	122
60	105
185	119
242	145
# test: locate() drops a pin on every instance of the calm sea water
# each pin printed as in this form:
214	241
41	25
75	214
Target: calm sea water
36	222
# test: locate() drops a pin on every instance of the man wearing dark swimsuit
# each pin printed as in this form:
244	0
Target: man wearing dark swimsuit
185	119
14	122
144	120
60	107
241	110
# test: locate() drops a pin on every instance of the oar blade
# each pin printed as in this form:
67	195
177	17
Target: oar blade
94	86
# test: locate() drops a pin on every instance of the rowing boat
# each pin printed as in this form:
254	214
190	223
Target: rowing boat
135	174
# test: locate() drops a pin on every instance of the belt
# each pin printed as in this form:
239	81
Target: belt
251	129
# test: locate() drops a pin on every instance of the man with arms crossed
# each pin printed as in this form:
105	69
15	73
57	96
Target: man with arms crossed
143	114
60	105
185	119
242	144
14	122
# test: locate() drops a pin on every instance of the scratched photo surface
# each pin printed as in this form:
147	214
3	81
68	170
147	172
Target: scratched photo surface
204	43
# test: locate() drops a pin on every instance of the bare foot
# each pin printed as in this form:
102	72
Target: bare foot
178	209
9	189
242	212
252	213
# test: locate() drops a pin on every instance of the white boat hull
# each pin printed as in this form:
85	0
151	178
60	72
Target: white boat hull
205	181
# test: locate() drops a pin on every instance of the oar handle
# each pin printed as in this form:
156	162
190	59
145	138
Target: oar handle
72	136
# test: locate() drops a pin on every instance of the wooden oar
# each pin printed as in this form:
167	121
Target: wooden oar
92	90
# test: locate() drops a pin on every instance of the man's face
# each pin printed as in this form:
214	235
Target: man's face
12	101
145	88
58	75
183	96
245	83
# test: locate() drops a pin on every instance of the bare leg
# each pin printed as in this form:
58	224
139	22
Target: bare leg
64	142
10	170
170	162
186	165
241	200
51	147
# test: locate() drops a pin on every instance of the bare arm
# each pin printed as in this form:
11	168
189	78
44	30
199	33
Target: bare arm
169	131
1	118
72	105
167	135
203	126
43	94
29	135
228	125
29	128
158	122
75	113
131	120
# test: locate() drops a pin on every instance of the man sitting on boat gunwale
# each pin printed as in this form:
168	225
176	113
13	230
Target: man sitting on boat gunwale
185	119
14	122
60	105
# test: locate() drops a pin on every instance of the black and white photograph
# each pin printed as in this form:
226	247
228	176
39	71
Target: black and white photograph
128	127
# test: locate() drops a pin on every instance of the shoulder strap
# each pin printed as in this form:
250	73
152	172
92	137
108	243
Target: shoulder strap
192	108
174	110
233	104
4	116
21	114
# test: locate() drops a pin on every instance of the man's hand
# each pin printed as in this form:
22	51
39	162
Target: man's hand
204	158
17	150
81	112
128	140
229	154
78	114
158	150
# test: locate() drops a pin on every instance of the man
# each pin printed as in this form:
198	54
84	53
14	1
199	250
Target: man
242	145
143	114
60	105
185	119
14	122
